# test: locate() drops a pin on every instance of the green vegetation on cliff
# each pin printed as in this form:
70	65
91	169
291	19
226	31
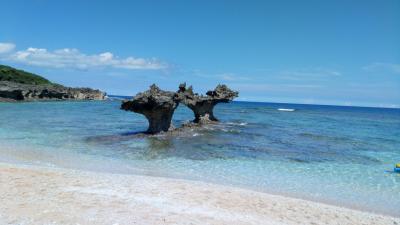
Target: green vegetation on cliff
8	73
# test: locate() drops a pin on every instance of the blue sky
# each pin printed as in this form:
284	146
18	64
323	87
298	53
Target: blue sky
317	52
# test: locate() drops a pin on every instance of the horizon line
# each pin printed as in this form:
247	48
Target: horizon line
316	104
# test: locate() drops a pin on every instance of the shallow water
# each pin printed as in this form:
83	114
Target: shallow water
340	155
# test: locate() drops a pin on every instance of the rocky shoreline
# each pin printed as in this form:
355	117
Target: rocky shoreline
18	92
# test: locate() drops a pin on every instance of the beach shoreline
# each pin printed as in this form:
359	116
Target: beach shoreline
44	195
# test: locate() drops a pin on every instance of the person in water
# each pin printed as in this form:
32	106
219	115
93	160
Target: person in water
397	168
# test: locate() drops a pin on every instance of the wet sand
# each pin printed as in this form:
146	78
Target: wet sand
42	195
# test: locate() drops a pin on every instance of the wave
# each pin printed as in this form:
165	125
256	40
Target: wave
286	110
237	124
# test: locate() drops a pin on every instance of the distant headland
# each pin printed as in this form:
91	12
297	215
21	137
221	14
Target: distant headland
18	85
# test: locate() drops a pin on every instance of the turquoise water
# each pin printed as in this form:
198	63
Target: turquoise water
339	155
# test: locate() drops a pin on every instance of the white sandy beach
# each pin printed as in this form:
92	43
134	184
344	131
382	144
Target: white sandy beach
37	195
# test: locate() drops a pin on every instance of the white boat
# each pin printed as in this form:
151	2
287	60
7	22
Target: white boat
286	110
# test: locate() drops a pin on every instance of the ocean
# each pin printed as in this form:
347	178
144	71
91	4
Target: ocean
338	155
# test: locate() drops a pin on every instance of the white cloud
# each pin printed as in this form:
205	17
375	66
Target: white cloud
73	58
228	77
275	87
232	77
307	74
379	66
219	76
6	47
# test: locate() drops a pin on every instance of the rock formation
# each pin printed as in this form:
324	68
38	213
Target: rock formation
202	106
12	91
156	105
